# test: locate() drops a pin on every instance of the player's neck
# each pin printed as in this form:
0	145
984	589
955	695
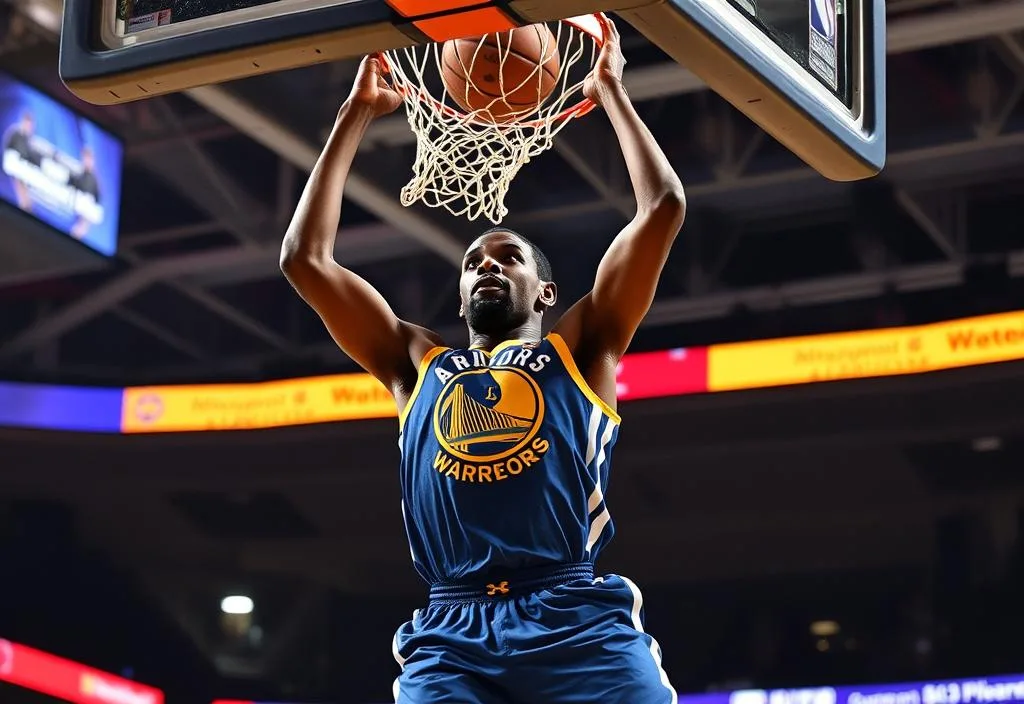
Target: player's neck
528	332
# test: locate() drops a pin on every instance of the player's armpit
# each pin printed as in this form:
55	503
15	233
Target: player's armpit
595	361
602	323
627	277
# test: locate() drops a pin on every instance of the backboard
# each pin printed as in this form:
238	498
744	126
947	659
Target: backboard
810	72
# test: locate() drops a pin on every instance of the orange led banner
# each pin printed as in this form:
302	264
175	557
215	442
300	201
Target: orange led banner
341	397
873	353
166	409
155	409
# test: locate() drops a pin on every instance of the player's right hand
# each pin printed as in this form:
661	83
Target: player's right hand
372	90
607	69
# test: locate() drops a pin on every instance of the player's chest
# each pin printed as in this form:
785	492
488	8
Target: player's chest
470	386
488	418
536	361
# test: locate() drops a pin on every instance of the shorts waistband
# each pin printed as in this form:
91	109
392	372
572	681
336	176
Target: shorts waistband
503	585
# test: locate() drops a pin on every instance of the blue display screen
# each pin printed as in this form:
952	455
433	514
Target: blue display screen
59	167
60	408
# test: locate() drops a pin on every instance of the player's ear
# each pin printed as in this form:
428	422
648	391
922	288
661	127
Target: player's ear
548	295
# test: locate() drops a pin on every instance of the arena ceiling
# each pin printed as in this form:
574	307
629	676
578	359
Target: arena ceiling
768	246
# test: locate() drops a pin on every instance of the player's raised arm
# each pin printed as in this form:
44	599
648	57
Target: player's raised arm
627	278
357	316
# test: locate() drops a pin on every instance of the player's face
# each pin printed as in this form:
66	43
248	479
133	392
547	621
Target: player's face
500	288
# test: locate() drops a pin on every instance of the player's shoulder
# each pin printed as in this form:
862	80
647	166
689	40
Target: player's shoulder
422	346
413	331
420	342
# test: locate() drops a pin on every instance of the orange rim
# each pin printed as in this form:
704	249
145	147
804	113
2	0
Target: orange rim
591	25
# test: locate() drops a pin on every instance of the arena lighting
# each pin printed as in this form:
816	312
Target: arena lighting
675	372
987	444
44	14
824	629
236	604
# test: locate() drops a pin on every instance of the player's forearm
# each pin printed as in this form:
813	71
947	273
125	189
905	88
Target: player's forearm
314	226
655	183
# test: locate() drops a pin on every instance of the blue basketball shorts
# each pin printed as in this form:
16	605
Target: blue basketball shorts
576	642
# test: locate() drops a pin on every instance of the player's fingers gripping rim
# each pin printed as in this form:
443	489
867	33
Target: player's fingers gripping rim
611	51
369	64
613	40
611	32
381	62
385	73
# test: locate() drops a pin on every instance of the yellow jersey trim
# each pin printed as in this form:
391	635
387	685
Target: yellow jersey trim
499	347
570	366
420	375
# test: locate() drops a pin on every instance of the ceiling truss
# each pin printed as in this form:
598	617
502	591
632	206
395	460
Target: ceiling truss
928	184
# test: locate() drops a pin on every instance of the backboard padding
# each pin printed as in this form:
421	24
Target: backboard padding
546	11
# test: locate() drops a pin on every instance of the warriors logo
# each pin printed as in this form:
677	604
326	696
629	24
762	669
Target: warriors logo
484	415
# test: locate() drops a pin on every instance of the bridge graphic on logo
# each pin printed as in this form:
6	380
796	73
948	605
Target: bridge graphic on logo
465	422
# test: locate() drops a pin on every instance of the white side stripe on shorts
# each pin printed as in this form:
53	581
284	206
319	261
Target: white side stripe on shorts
398	656
394	651
395	688
638	603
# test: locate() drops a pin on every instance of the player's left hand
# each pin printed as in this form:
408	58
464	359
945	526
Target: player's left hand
607	70
372	90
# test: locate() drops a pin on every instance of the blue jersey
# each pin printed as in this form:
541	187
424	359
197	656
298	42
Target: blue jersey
505	459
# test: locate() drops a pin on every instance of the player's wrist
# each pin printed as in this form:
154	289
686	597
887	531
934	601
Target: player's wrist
357	110
608	86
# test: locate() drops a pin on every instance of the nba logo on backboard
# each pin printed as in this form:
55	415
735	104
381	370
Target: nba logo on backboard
822	57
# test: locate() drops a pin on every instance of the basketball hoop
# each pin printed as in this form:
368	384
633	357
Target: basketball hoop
466	160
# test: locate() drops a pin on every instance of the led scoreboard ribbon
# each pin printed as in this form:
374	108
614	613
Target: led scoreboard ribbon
870	353
675	372
1003	689
68	680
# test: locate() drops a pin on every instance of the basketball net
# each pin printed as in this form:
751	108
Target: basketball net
465	162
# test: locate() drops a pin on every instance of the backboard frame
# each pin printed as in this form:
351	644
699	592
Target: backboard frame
105	76
840	144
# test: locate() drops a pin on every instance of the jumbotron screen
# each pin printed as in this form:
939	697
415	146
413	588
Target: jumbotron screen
59	167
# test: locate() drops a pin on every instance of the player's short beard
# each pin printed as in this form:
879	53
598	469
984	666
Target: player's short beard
490	316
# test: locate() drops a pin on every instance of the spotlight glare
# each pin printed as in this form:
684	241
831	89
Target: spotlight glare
824	629
236	605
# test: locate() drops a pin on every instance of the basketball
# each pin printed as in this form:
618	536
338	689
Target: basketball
516	71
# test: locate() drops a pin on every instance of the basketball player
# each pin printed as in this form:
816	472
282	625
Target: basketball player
506	444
